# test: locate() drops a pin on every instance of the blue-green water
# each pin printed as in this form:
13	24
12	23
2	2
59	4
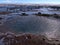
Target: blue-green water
33	24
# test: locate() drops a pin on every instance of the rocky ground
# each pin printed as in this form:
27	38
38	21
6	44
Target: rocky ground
25	39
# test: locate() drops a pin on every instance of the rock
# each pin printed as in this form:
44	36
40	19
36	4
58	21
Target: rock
25	39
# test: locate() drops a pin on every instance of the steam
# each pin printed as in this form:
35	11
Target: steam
54	26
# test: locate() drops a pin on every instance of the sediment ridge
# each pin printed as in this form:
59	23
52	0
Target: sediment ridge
10	38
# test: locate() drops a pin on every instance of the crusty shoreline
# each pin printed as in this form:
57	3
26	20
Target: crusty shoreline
26	39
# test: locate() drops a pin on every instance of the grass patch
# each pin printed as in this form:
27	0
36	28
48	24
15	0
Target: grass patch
3	13
24	14
48	15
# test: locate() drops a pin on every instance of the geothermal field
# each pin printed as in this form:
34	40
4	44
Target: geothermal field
29	24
